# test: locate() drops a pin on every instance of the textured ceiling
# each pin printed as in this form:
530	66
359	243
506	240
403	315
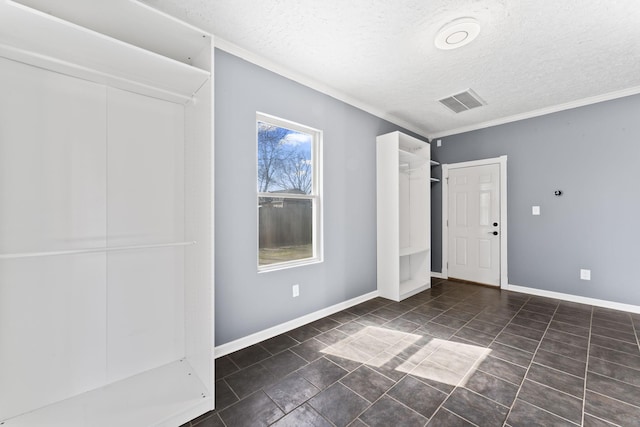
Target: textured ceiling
530	56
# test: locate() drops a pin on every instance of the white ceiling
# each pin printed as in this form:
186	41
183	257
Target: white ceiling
531	57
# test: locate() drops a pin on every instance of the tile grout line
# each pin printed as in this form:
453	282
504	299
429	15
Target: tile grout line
332	384
615	339
557	370
555	389
613	378
457	415
524	378
550	413
586	367
385	393
378	399
397	382
454	388
635	331
617	400
605	421
453	294
262	389
232	390
441	406
501	379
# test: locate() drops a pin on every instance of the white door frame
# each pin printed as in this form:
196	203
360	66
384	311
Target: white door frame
502	162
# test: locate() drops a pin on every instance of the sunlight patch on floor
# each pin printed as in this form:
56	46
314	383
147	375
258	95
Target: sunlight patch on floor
368	344
423	356
451	363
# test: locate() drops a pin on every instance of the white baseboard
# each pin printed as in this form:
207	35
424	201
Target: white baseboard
575	298
257	337
437	275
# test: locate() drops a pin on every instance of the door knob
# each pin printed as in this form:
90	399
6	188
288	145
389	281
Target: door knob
495	233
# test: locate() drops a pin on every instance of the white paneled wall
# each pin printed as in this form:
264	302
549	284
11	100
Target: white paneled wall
145	193
119	332
52	198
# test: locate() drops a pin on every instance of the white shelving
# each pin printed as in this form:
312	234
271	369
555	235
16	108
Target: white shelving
412	250
160	395
403	211
34	37
434	163
106	216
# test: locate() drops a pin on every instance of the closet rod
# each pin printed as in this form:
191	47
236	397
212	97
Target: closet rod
93	250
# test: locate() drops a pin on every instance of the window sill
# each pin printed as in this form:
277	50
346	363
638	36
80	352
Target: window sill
290	264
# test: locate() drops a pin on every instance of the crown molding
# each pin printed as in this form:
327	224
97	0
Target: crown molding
541	112
313	84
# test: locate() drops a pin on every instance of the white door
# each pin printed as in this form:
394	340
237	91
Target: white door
474	224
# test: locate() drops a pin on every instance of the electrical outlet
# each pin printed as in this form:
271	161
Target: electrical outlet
439	143
295	290
535	210
585	274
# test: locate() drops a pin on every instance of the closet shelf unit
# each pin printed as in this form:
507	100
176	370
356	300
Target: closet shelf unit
106	215
404	215
434	163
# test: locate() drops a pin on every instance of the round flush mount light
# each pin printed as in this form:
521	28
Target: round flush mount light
457	33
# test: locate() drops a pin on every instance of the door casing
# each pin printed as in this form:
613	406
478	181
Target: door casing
502	162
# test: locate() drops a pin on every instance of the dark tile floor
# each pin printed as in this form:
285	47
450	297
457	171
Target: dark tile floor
454	355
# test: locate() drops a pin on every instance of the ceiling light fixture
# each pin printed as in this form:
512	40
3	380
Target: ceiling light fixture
457	33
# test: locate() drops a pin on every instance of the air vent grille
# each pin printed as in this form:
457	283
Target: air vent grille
462	101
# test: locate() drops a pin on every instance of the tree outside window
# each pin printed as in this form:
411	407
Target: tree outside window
288	187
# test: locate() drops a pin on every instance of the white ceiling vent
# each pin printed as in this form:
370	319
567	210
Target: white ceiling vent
462	101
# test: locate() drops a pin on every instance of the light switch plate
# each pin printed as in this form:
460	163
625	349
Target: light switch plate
585	274
535	210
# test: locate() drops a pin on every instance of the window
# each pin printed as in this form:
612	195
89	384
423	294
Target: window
289	192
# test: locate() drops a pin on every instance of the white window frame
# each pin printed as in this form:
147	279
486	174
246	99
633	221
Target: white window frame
315	196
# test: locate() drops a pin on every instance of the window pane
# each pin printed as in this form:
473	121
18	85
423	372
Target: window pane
285	229
284	160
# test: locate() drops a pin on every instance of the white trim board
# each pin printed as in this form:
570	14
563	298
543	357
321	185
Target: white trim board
341	96
574	298
240	343
313	84
437	275
502	161
540	112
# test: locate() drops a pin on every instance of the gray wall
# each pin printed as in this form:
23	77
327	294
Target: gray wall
590	153
248	302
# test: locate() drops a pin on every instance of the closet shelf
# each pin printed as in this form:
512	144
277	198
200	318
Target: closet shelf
413	286
409	158
93	250
48	42
129	401
412	250
408	169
